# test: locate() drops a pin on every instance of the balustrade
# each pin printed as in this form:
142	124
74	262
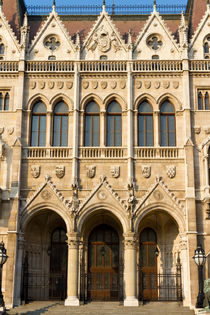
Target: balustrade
200	65
40	152
49	66
9	66
157	65
103	66
160	153
108	152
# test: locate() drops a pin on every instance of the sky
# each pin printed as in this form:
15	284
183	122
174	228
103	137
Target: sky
86	2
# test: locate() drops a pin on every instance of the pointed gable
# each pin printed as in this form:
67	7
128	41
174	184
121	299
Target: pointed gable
155	39
52	39
104	39
8	39
200	35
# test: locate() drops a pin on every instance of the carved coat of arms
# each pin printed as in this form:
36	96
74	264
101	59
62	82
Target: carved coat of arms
115	171
171	171
60	171
91	171
35	170
146	171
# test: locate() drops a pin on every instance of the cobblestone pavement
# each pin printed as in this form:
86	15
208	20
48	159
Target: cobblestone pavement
97	308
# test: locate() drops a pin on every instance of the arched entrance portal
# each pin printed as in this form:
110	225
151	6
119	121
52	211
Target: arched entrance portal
45	258
103	264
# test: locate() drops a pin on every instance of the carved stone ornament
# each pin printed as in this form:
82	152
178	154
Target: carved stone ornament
91	171
60	171
147	84
1	130
101	195
10	130
60	84
122	84
146	171
32	85
69	84
171	171
113	85
41	84
50	84
115	171
157	84
94	84
101	40
85	84
166	84
35	170
138	84
197	130
158	195
2	150
207	131
104	84
175	84
129	243
45	194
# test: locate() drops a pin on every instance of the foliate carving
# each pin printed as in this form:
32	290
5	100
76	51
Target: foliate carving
73	244
59	84
183	244
10	130
146	171
35	170
147	84
197	130
45	194
130	243
102	195
41	84
94	84
1	130
171	171
74	202
2	150
175	84
166	84
69	84
85	84
91	171
157	84
104	84
158	195
113	84
122	84
115	171
50	84
60	171
138	84
32	85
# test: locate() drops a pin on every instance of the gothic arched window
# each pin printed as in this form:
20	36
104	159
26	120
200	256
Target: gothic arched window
167	125
60	125
92	125
206	46
114	125
38	125
145	124
4	101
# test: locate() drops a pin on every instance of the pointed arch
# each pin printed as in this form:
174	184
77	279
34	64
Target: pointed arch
36	98
144	97
172	99
91	97
59	98
115	97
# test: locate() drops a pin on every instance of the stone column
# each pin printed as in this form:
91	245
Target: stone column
102	128
156	128
73	267
185	270
18	274
130	130
48	129
130	270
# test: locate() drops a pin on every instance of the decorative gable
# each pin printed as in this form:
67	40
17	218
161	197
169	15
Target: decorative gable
155	41
9	46
104	41
200	42
52	42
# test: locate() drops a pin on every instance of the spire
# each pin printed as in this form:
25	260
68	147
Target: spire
53	6
25	20
104	5
182	19
154	5
1	4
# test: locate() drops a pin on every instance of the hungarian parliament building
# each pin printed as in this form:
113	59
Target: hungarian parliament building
104	151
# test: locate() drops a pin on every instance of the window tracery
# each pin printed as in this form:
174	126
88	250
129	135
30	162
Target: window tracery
206	47
4	100
154	42
203	99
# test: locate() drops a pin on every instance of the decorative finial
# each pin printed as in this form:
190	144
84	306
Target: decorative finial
182	19
1	3
154	5
104	5
53	4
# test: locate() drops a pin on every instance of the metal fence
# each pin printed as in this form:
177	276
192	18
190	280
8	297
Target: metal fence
111	9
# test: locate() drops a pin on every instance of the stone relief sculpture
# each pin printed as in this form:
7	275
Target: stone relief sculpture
146	171
2	150
115	171
171	171
35	170
60	171
91	171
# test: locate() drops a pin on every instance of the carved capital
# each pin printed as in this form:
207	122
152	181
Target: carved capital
130	241
73	241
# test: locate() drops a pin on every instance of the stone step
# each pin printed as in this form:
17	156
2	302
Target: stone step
103	308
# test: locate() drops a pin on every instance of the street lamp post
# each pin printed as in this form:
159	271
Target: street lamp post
3	259
200	259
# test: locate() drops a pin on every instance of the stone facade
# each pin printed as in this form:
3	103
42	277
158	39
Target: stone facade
126	186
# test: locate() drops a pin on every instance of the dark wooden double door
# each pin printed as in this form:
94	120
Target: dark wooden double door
103	264
58	265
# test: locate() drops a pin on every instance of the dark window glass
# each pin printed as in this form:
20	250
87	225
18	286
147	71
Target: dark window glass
6	102
200	101
2	49
207	101
60	125
167	125
92	125
1	101
145	125
38	125
114	125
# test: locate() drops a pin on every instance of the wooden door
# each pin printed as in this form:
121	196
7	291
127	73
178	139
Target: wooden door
58	265
148	265
103	264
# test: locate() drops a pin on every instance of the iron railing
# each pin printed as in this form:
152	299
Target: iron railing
111	9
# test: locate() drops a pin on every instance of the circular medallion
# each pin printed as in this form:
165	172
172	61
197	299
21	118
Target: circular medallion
158	195
46	194
102	195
